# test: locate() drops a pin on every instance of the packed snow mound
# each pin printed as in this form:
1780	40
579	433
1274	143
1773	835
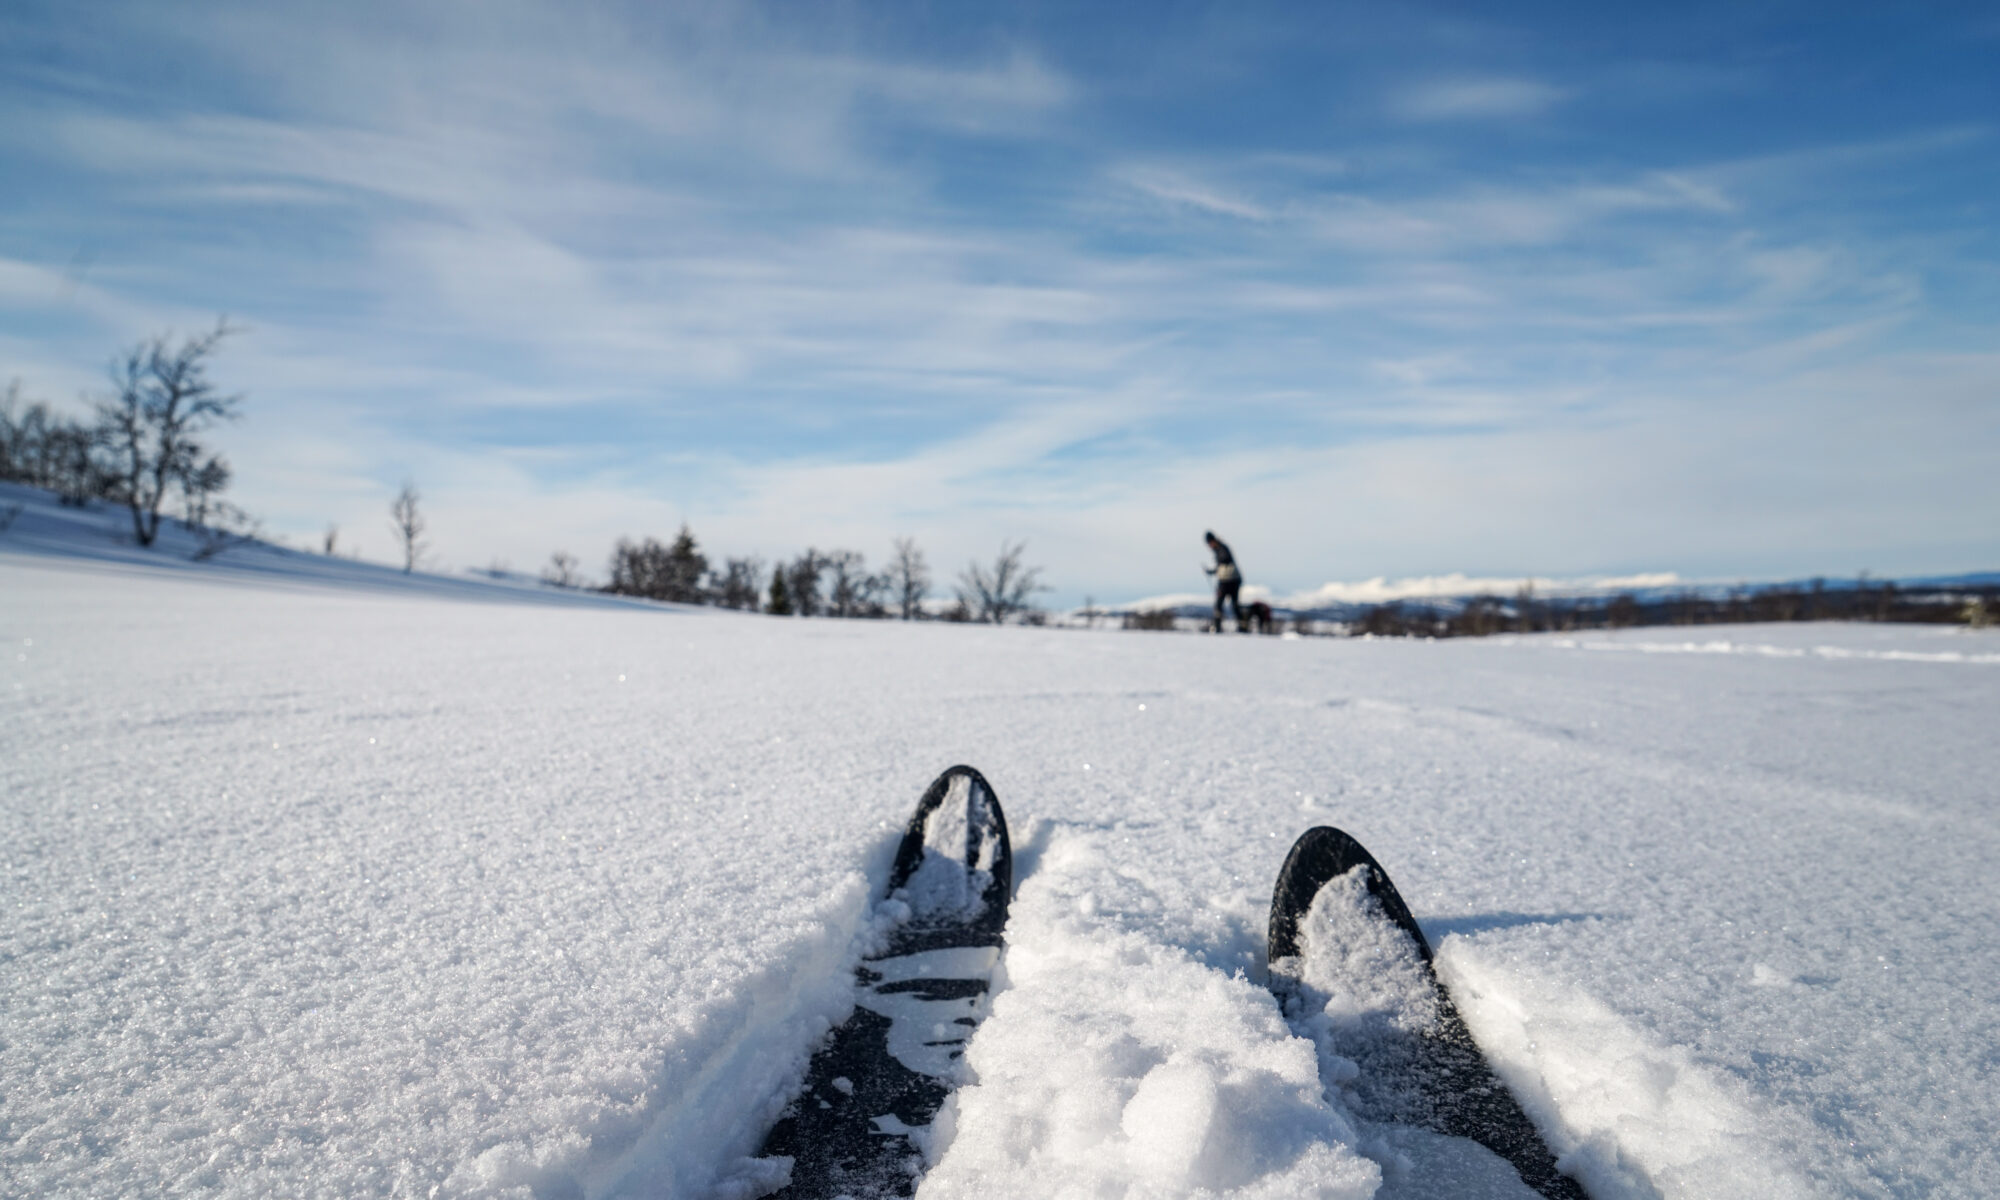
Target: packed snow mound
1115	1064
316	890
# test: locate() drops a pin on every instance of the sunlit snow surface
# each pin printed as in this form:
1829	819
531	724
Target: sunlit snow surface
320	890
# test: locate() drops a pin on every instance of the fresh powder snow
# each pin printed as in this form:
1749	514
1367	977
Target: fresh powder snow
323	881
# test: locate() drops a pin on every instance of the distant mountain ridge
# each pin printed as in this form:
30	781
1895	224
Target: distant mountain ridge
1451	602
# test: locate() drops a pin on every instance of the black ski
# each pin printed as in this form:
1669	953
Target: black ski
872	1091
1418	1063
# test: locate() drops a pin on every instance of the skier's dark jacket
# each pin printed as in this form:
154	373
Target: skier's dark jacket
1225	562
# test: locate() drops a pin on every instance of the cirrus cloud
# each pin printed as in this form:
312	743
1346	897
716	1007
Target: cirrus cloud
1476	99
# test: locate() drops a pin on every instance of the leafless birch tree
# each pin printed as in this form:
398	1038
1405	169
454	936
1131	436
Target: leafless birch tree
909	578
995	593
408	523
164	399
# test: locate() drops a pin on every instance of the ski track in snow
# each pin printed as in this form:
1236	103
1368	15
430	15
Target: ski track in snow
313	890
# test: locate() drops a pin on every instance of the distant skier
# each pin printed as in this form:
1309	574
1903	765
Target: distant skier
1228	584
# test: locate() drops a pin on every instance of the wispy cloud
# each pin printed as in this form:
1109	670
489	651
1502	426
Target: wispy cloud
1487	215
1176	188
1475	99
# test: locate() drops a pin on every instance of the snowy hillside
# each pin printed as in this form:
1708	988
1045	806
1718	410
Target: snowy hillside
326	890
33	525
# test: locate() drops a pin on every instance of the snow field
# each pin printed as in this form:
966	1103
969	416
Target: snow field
1635	644
1625	1115
312	891
299	923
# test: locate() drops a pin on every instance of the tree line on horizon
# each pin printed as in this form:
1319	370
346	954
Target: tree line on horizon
814	583
1864	599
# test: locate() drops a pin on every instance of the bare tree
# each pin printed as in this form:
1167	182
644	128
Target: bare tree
736	585
844	569
23	439
332	540
561	571
164	399
637	567
71	464
199	488
998	592
909	578
48	450
802	582
851	590
10	449
408	523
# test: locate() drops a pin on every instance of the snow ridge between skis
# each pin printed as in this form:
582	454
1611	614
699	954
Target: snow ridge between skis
1115	1064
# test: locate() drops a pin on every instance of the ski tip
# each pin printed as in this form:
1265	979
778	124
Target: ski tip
1324	853
984	821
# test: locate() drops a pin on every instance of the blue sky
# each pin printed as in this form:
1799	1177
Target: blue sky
1372	290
